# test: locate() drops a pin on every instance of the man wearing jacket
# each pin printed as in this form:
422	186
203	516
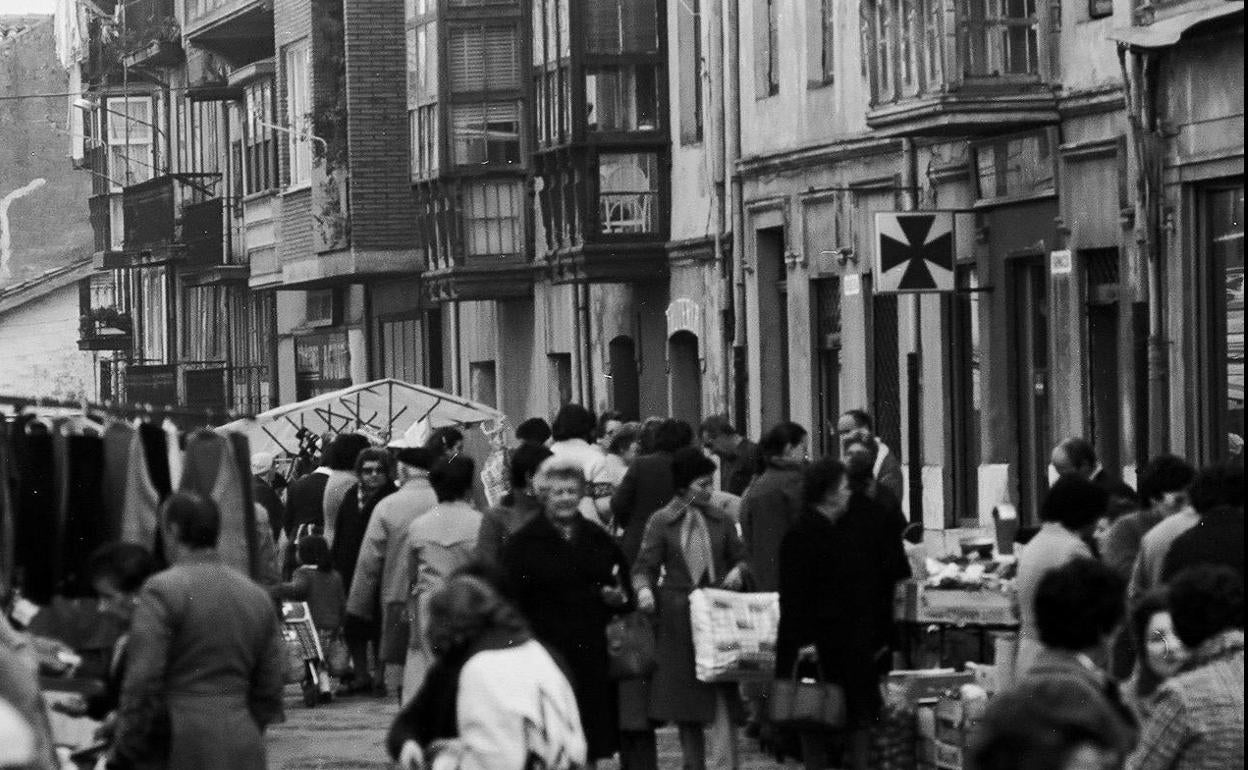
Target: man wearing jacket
887	469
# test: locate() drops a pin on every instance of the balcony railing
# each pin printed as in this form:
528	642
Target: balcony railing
175	216
952	64
105	321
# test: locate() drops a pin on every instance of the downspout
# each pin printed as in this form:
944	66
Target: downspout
914	359
586	340
732	153
718	158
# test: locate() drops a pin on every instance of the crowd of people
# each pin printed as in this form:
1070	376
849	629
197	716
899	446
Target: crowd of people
489	623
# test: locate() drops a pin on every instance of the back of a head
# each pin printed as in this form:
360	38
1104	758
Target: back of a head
1205	601
1039	725
572	422
1079	453
861	419
688	465
195	517
534	430
778	440
524	463
342	452
821	477
1074	502
672	435
715	426
313	550
125	565
417	457
451	478
1218	486
444	439
1164	474
466	608
1078	604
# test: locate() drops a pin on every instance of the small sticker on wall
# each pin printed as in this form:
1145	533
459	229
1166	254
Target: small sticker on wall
1061	262
853	285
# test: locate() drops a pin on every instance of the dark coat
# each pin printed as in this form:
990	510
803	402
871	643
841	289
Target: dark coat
890	475
834	578
349	532
557	585
305	502
500	523
738	469
676	695
770	506
1218	538
647	487
264	494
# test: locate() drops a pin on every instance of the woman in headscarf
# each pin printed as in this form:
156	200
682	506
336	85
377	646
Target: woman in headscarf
568	576
691	544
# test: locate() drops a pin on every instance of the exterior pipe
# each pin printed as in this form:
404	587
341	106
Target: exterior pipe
732	146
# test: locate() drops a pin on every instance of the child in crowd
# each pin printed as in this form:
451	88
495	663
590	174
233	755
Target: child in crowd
316	582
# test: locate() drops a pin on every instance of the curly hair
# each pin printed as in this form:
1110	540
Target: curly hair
1078	604
465	609
1205	601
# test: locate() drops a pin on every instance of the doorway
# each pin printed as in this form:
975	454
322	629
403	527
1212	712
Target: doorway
827	328
773	322
685	378
1104	371
1029	290
625	386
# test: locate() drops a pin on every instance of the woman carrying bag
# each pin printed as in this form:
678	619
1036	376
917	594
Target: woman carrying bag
836	564
695	545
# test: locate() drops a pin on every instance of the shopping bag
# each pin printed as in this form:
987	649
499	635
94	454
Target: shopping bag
734	634
631	646
337	656
806	703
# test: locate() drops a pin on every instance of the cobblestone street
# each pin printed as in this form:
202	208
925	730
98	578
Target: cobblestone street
349	734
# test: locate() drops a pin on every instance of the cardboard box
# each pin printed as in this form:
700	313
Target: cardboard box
962	607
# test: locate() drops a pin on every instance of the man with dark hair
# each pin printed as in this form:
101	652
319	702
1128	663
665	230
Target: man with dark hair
381	571
534	431
856	423
1163	487
436	544
647	486
1166	486
1197	719
738	456
518	508
204	659
1218	538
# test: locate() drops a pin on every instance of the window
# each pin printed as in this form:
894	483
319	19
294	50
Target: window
486	133
628	191
322	307
203	145
130	134
967	390
690	42
259	141
1016	167
424	137
766	48
1000	38
116	222
483	382
1223	211
202	324
422	63
821	50
827	333
560	371
298	109
322	364
483	58
623	98
154	307
1099	9
492	218
622	26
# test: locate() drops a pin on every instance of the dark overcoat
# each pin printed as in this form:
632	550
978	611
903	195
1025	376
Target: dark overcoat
676	695
558	584
770	506
646	487
834	577
349	532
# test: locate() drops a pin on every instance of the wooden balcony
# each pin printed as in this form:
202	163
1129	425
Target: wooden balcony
239	30
959	67
149	34
174	217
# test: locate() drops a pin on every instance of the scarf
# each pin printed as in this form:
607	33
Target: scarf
695	543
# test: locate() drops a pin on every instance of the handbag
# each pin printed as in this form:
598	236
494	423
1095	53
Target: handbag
631	646
337	656
806	703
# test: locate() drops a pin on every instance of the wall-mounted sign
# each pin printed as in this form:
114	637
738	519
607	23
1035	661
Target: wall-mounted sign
914	251
1061	262
852	283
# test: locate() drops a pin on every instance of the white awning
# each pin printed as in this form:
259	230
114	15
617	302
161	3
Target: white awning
1164	33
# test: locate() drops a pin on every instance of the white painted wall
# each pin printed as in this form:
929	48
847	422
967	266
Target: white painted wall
39	353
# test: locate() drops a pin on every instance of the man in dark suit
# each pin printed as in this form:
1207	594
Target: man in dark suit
647	486
857	424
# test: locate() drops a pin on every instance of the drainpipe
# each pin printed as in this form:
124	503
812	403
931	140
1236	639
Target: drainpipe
718	157
914	359
732	152
586	342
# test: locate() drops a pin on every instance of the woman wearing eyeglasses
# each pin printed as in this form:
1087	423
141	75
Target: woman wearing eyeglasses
374	473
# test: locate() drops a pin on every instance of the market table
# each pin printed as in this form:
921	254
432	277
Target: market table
984	611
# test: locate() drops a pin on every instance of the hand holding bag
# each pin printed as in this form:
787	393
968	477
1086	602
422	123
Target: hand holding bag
807	704
631	646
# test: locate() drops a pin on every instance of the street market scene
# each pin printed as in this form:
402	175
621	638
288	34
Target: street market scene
622	384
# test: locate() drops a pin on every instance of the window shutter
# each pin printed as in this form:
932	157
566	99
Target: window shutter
502	58
603	24
467	59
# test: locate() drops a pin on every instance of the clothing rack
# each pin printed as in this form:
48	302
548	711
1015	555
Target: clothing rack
210	415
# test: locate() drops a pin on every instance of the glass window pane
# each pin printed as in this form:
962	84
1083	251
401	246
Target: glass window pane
1226	247
627	192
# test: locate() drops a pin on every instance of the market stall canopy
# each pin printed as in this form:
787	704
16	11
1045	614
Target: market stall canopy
384	410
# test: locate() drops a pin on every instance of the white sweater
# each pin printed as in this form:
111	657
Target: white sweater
515	710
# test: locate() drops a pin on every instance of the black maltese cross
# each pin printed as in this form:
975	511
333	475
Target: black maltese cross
923	245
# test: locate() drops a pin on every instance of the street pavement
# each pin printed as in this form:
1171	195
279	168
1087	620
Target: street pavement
350	733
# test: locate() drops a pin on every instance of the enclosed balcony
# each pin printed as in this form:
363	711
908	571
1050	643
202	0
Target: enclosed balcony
105	321
474	237
149	34
174	217
957	67
240	30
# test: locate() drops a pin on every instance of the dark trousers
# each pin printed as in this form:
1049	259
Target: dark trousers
638	750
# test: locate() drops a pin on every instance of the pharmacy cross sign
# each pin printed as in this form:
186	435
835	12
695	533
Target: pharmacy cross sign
914	251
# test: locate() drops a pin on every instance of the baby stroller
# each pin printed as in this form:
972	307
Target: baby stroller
304	643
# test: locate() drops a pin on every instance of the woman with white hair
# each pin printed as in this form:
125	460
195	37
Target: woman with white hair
569	578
